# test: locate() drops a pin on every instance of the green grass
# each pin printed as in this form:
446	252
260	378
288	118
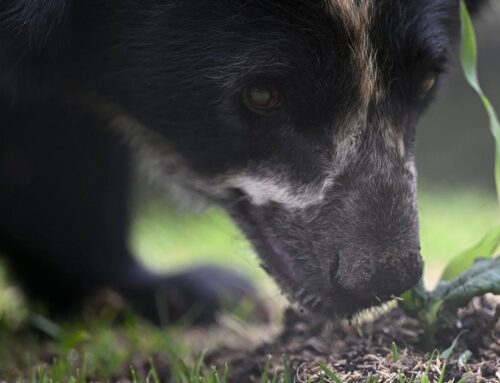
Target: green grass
451	220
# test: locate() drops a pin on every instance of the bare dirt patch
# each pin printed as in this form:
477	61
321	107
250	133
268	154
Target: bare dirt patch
356	352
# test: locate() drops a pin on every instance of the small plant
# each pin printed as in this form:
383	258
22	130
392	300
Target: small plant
394	352
473	272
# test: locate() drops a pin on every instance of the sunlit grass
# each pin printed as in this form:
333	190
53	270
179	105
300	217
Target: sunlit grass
167	239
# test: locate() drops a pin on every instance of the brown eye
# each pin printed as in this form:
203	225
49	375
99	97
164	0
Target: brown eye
262	99
428	83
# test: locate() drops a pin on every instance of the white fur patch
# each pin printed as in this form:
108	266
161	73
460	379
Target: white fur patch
357	18
411	167
262	190
393	139
156	161
159	164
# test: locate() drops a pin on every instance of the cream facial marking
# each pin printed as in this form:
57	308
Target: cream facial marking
162	166
265	189
357	19
160	162
411	167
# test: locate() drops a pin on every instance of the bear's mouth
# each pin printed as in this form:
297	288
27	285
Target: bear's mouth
302	288
276	261
311	292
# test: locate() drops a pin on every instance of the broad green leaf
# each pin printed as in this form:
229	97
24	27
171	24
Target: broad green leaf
468	55
485	248
415	299
483	277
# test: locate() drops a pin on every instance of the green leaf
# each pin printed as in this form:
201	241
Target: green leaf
446	354
485	248
468	56
483	277
415	299
468	48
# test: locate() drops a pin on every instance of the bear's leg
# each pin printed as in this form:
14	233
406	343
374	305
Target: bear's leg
64	185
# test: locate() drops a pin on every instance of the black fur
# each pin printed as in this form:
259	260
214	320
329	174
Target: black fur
179	68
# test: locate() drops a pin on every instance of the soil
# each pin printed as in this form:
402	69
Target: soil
354	352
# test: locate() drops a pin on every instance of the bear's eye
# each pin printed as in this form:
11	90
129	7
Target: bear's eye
262	99
428	83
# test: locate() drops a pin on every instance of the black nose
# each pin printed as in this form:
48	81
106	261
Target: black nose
378	274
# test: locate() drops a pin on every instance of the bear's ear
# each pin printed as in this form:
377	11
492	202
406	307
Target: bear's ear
33	21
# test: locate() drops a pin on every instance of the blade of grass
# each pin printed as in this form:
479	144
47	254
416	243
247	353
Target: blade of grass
394	352
226	373
152	374
442	373
329	373
287	377
468	55
133	374
446	354
265	372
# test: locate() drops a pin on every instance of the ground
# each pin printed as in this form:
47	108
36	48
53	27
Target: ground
110	344
387	348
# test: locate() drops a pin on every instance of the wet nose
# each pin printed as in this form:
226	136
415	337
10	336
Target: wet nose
380	275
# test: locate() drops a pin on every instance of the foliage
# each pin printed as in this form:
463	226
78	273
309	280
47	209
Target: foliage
437	308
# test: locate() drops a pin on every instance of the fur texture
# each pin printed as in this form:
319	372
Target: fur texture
323	185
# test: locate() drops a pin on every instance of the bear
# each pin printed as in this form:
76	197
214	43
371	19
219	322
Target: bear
297	118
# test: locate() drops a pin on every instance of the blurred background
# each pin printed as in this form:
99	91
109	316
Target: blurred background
455	148
455	156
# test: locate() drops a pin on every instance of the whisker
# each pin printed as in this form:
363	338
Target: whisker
308	299
317	303
378	299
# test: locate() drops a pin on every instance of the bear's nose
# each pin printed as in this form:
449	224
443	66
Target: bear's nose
379	275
